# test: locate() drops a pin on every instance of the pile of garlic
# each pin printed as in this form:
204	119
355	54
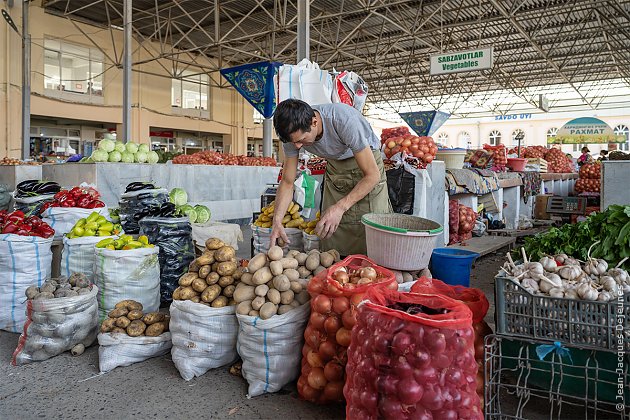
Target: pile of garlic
561	276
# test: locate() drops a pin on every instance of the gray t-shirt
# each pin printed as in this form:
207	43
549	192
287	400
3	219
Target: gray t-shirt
345	132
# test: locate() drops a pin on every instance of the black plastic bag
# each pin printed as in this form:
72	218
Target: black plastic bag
133	202
174	237
401	186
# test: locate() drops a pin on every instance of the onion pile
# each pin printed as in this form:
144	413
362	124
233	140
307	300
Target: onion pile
215	158
590	174
557	161
401	365
461	222
388	133
422	148
333	315
499	154
587	185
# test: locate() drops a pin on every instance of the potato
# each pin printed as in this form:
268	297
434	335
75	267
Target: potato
132	305
281	283
177	293
123	322
262	276
133	315
31	292
231	302
49	287
225	253
225	281
196	299
268	310
303	297
153	317
187	279
228	291
118	330
62	293
303	272
261	290
296	286
301	258
257	263
187	293
211	293
108	325
275	253
244	307
295	303
118	312
204	259
273	296
312	262
167	321
291	274
214	243
407	277
215	266
226	268
258	302
204	271
287	297
219	302
244	292
212	278
136	328
289	263
292	253
253	313
326	259
123	304
336	254
155	330
313	251
194	266
199	285
276	267
319	270
247	279
283	309
238	273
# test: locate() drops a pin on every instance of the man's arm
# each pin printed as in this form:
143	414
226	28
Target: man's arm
371	176
284	196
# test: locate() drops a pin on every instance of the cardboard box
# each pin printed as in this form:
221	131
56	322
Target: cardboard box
540	207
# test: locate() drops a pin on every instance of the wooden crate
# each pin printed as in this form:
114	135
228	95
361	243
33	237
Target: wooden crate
540	162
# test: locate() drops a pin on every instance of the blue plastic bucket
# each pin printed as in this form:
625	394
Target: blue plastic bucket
452	266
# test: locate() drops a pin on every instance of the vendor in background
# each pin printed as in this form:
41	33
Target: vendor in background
585	157
354	182
603	155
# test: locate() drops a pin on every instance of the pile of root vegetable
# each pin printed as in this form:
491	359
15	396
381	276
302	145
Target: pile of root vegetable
561	276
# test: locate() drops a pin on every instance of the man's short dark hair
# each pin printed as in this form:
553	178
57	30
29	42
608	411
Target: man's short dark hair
292	115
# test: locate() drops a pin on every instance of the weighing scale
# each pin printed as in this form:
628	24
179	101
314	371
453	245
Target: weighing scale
564	207
268	195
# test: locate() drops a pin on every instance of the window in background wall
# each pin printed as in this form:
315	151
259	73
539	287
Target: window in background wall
190	91
73	68
442	138
495	138
463	139
258	117
516	134
622	130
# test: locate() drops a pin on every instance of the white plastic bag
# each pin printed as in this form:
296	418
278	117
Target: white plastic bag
24	261
118	349
62	219
203	338
31	206
262	239
78	255
229	233
310	241
129	274
57	325
351	89
271	349
303	81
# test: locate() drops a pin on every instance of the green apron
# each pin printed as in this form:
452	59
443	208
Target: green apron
340	178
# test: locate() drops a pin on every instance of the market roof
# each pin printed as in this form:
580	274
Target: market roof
577	46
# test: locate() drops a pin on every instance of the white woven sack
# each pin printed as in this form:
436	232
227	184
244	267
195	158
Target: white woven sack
303	81
78	255
203	338
129	274
62	219
310	242
24	261
271	349
57	325
118	349
262	239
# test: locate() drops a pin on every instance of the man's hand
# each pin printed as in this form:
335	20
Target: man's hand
278	232
329	222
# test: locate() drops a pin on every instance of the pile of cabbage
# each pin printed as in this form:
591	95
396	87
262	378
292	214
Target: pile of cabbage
117	151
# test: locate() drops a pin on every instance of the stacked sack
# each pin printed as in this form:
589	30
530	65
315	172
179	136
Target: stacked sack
461	222
590	178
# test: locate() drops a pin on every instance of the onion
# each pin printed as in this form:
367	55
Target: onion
308	393
315	286
381	344
333	371
305	349
340	304
332	324
317	320
426	375
314	359
390	408
446	415
432	398
343	337
421	359
341	276
402	368
327	350
356	299
409	392
312	337
401	343
368	400
349	318
369	272
316	378
321	304
435	342
442	361
333	391
386	385
422	413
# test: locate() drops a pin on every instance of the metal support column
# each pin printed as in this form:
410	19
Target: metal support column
26	83
303	31
267	137
127	22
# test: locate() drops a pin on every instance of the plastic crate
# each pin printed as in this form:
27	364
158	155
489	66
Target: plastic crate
519	385
586	324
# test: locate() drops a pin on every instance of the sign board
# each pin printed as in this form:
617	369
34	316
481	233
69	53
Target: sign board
456	62
425	123
543	103
586	130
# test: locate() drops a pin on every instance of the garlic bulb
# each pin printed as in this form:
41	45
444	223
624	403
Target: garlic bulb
586	292
604	296
549	264
556	292
535	268
549	282
570	294
596	267
608	283
570	272
530	284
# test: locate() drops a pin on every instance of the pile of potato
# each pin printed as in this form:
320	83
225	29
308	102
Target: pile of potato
272	283
308	226
127	318
212	277
292	218
77	284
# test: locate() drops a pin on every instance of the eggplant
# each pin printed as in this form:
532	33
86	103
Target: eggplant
48	187
27	186
139	186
